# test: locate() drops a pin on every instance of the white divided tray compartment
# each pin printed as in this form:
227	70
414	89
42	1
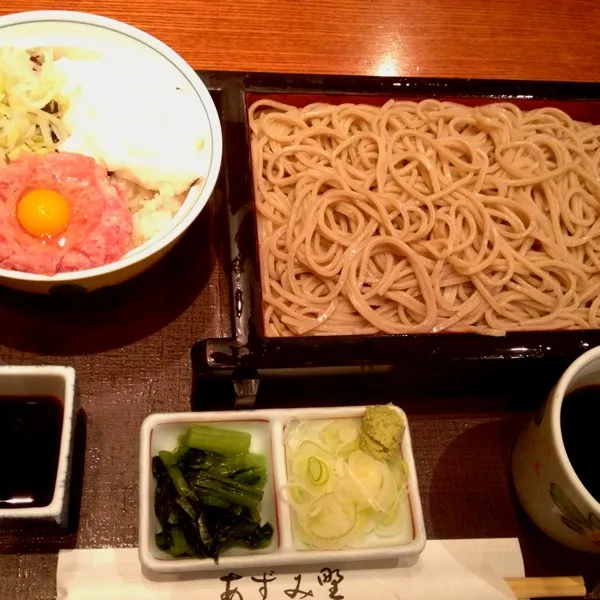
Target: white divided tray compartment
161	432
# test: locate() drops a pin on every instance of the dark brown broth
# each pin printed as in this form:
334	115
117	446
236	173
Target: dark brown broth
30	431
580	425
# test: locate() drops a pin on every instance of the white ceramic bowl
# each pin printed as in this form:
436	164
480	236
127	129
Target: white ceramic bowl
161	432
42	381
88	32
546	483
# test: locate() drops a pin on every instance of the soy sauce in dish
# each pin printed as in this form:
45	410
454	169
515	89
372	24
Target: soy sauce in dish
30	430
580	422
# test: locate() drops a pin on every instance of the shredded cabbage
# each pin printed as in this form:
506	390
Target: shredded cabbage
30	103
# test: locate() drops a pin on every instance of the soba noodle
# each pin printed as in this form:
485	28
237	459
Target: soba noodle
425	217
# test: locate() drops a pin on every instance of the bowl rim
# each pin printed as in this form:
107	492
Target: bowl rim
58	505
215	133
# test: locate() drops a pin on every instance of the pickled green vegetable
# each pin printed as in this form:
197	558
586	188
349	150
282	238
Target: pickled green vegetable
208	494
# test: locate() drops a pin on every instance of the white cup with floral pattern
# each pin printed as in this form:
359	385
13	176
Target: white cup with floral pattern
546	483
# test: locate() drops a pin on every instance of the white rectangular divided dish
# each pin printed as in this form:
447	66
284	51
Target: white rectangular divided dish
161	431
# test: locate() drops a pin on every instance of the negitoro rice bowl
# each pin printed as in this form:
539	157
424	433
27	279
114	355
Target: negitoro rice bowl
110	146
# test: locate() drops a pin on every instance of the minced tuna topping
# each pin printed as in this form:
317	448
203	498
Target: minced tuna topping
100	226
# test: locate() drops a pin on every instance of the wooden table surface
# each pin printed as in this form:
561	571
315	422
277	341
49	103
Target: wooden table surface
130	346
501	39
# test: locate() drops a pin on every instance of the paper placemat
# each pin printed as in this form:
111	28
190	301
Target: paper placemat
447	569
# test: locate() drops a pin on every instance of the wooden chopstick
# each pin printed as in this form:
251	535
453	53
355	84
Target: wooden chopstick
547	587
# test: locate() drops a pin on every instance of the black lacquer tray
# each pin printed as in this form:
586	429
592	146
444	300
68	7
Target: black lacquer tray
426	363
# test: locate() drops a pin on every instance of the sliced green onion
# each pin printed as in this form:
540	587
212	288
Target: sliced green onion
339	494
329	519
317	470
341	437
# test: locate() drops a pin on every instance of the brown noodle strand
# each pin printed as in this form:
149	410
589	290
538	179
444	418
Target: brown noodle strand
425	217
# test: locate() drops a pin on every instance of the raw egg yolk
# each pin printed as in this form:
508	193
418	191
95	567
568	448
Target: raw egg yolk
43	213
